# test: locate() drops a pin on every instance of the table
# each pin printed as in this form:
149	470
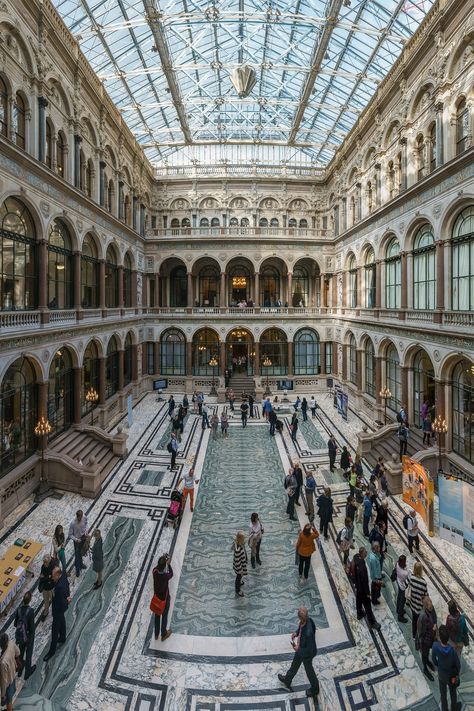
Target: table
14	565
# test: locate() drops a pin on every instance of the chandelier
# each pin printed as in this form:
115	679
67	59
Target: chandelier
239	282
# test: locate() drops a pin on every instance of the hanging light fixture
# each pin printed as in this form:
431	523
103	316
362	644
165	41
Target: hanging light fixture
244	79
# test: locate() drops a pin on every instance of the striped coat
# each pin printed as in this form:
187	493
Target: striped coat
240	559
419	589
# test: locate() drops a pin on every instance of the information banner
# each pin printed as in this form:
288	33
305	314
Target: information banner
418	491
344	406
456	512
337	393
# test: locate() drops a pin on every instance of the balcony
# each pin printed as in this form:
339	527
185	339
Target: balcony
269	233
239	170
236	312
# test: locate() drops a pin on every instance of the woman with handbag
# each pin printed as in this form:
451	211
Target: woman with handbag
426	635
239	561
58	546
457	628
415	591
305	548
160	603
8	670
255	539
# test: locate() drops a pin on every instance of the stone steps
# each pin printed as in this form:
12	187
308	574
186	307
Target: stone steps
82	446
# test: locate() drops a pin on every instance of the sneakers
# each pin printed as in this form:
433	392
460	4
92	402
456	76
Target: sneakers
165	636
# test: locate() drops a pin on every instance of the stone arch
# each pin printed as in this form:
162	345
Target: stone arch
27	55
35	214
75	240
412	229
462	53
118	338
73	352
39	368
391	134
98	344
424	93
451	212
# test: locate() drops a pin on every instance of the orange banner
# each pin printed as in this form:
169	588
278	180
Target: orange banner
418	491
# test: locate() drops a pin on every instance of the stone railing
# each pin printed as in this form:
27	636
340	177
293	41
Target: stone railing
62	316
283	233
19	320
91	313
419	315
458	318
240	170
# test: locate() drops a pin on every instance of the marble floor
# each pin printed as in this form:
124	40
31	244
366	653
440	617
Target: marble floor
225	652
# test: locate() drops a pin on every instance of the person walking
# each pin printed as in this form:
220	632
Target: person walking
325	511
305	548
224	425
294	427
251	406
171	406
9	653
304	409
58	544
410	522
361	582
312	406
457	628
426	635
297	403
231	398
303	642
25	634
173	450
97	558
332	450
266	408
185	405
290	486
345	539
375	569
377	535
415	591
272	418
297	471
189	481
401	573
162	574
359	498
78	533
200	402
239	561
403	434
352	479
382	513
214	425
46	585
255	539
351	508
310	488
61	600
427	430
367	508
205	416
346	461
244	409
448	664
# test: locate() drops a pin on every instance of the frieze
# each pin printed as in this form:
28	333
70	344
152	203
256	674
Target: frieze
46	338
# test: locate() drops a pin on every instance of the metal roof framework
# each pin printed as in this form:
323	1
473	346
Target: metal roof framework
167	66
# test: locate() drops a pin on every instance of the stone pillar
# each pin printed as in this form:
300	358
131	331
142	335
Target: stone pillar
120	200
257	358
439	134
322	290
102	165
157	356
190	296
222	355
404	278
404	149
142	220
256	301
360	286
134	212
322	357
157	290
189	358
222	297
102	284
135	361
77	161
120	302
42	104
43	279
378	379
290	358
344	214
77	388
121	361
145	289
440	281
102	379
335	359
344	362
134	288
378	284
290	289
404	391
359	369
77	281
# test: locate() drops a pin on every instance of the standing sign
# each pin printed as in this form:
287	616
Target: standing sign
418	490
129	411
344	405
456	512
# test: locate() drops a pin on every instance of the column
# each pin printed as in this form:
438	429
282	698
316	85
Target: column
77	280
42	104
120	303
335	360
157	356
378	379
43	279
404	180
134	287
134	212
157	290
142	220
222	297
256	300
102	284
404	390
120	200
77	161
189	358
121	360
439	134
135	361
360	287
440	279
222	358
404	277
77	390
359	369
290	289
190	301
102	379
378	284
290	358
102	165
145	289
322	357
378	185
322	290
256	367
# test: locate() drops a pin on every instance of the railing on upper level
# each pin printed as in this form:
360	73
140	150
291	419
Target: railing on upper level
233	232
240	170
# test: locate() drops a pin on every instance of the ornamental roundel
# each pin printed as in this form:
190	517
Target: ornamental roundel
45	356
401	345
437	356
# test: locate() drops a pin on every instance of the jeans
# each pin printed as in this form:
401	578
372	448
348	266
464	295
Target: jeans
305	415
305	562
366	525
310	503
400	603
403	447
413	541
298	660
272	428
363	601
290	509
294	432
164	620
78	557
58	631
205	421
244	420
323	527
297	495
26	653
313	412
238	583
173	458
443	688
62	558
332	459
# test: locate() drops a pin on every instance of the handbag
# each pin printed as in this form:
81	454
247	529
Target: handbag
408	593
157	605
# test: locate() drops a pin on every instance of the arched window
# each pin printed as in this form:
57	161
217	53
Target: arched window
352	284
18	269
60	392
352	360
370	280
274	222
263	222
432	151
205	345
462	256
462	127
204	222
61	155
292	222
423	384
393	275
369	368
112	368
300	295
89	169
3	108
19	413
239	283
89	274
175	228
424	269
111	279
244	222
127	360
60	267
186	223
306	352
173	352
269	286
90	375
234	222
303	224
215	222
393	378
19	121
420	156
48	158
273	345
209	282
111	197
462	414
178	287
127	281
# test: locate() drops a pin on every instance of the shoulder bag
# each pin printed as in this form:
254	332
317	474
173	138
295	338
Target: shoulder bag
408	591
157	605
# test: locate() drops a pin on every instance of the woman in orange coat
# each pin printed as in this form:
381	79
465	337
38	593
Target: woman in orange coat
305	547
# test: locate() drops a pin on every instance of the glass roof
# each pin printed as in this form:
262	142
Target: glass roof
167	65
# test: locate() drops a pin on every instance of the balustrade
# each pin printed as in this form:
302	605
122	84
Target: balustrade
19	319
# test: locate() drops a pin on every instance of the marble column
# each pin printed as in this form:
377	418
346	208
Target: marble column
102	284
145	289
222	364
378	379
404	166
322	357
157	356
77	390
256	367
102	165
77	284
290	358
222	297
42	104
344	214
256	300
290	289
135	361
439	134
189	358
190	295
440	281
322	290
335	362
121	362
102	379
120	200
134	212
134	288
157	290
43	280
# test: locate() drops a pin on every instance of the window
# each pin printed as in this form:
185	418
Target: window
209	282
393	275
60	411
300	284
89	274
328	354
423	385
462	254
111	279
60	267
90	375
89	168
19	121
205	345
462	127
370	280
352	284
463	409
150	358
19	413
48	159
424	269
18	268
204	222
110	196
369	368
127	360
393	378
274	223
420	156
263	222
3	108
215	222
127	282
292	222
61	155
178	287
273	345
269	286
112	368
173	353
306	352
352	360
432	151
303	224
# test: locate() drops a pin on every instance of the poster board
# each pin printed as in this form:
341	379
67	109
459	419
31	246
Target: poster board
456	512
418	491
344	406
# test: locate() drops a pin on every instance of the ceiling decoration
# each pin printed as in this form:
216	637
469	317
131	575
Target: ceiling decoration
201	81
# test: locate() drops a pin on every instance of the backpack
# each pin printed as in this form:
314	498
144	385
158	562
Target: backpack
169	447
372	536
21	632
399	417
405	521
339	537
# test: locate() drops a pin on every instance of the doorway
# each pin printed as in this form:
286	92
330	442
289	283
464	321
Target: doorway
240	351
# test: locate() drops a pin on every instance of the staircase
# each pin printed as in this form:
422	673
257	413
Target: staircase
82	446
242	383
391	445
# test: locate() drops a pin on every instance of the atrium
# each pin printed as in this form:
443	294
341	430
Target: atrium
235	202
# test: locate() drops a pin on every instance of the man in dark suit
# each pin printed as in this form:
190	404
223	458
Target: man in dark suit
61	600
251	404
303	642
361	581
332	449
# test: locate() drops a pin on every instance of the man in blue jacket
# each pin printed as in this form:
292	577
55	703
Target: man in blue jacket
61	600
303	642
447	662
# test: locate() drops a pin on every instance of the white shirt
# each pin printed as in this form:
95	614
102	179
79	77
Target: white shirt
312	403
402	575
412	526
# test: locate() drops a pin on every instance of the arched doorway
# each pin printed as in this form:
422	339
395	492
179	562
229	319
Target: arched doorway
462	409
61	392
423	384
205	345
274	345
306	352
173	352
90	375
240	351
19	413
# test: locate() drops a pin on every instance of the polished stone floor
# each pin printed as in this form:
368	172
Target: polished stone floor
224	652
